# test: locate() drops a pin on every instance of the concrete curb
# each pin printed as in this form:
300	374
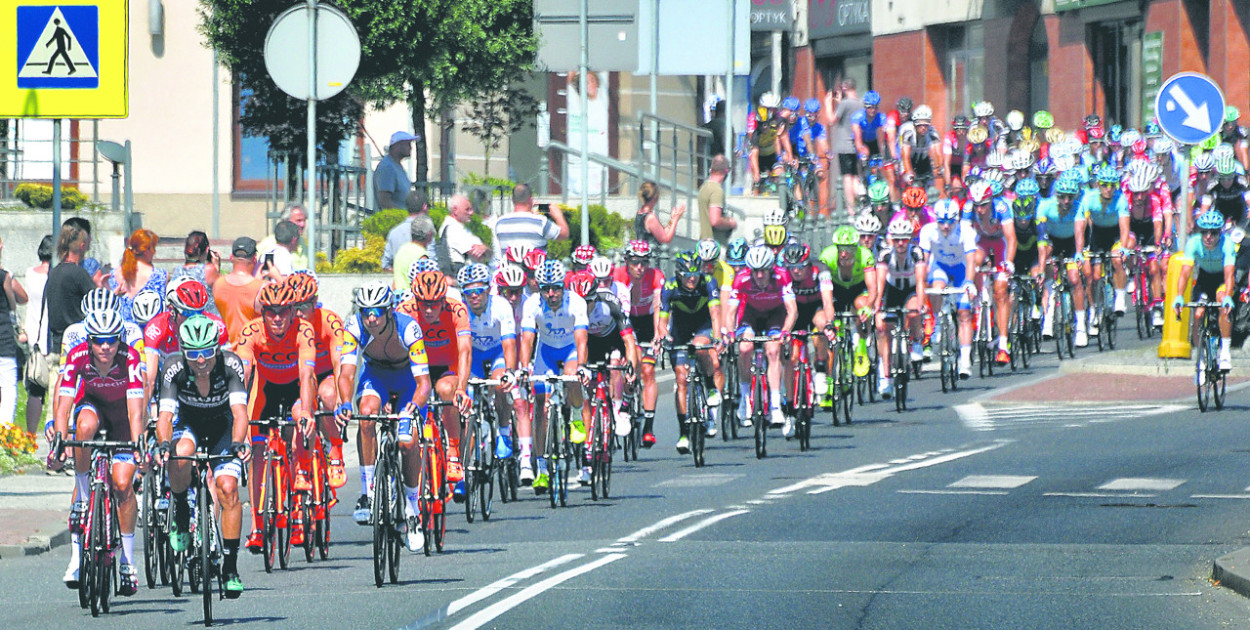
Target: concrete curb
36	545
1232	571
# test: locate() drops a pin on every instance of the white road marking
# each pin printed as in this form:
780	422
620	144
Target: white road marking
499	585
1219	496
988	417
970	492
489	613
872	473
1098	495
676	536
697	481
992	481
651	529
1155	484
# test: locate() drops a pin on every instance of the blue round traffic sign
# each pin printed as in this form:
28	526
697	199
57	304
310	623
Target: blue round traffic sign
1190	107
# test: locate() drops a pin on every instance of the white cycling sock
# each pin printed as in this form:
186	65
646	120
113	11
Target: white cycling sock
74	551
1080	321
1226	344
1121	294
1002	342
527	448
128	547
83	486
413	495
965	353
774	400
366	480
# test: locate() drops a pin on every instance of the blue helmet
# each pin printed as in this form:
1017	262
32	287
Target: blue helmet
996	187
1113	135
736	253
871	98
1211	220
1107	174
791	103
1152	129
1027	187
812	105
1045	166
1068	183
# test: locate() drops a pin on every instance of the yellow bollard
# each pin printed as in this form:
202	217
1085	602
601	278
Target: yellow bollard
1175	342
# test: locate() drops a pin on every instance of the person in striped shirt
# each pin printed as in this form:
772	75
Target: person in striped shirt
524	226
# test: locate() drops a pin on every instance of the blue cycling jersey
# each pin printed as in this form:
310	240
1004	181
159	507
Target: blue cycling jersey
868	126
1051	223
1104	215
801	131
1224	254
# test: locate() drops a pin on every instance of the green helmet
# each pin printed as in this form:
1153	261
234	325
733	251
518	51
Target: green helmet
1042	119
1225	165
1231	113
197	333
879	192
845	235
687	263
1210	143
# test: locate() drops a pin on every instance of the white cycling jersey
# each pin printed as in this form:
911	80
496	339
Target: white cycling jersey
494	325
947	250
554	328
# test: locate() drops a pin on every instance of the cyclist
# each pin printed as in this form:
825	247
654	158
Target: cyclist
1229	195
761	302
879	204
553	331
328	337
1235	135
708	253
101	388
1214	254
978	150
992	221
510	283
996	131
900	284
1107	212
1044	172
1061	236
813	298
280	351
922	151
205	387
492	329
950	253
645	284
690	314
610	337
869	228
387	350
853	272
147	305
583	255
915	209
160	337
955	147
1149	223
817	146
1043	122
765	137
899	121
735	259
444	325
1024	210
869	128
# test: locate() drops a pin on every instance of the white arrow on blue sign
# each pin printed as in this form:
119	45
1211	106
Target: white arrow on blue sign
1190	107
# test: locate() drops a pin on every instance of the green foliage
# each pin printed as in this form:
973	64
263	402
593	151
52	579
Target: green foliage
40	196
473	179
366	259
494	114
607	231
381	223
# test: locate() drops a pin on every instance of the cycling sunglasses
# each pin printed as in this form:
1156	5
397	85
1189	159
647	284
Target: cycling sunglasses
1109	184
512	292
187	314
476	291
277	310
105	340
550	287
373	311
1065	197
202	353
946	221
633	260
1211	232
430	303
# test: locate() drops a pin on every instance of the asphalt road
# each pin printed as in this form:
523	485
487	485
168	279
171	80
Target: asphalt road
1036	518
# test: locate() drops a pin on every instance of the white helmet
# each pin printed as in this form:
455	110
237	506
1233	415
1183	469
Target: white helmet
147	305
708	250
946	209
759	257
775	216
868	223
1162	144
770	100
600	267
1019	160
923	113
901	228
103	323
982	109
99	299
472	274
1015	120
511	276
993	160
373	294
1129	137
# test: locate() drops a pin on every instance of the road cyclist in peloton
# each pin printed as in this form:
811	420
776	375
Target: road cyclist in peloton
950	250
761	303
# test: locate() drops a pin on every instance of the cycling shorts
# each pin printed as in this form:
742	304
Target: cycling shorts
1206	283
679	355
766	163
550	360
274	395
439	371
494	357
994	248
600	349
844	297
762	324
220	441
806	314
321	377
1062	247
952	276
895	297
1025	260
382	383
644	333
1104	239
115	433
1143	230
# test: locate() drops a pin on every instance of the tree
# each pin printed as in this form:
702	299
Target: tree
497	113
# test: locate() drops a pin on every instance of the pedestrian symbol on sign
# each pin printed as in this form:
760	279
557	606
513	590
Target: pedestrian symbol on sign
58	47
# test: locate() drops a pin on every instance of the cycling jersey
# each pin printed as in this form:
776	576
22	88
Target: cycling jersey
863	260
808	291
869	127
442	347
948	250
106	392
327	334
1213	261
356	340
1102	214
765	135
1157	202
991	226
607	316
801	131
754	300
494	326
956	149
554	328
1230	200
722	273
641	293
277	360
690	311
162	337
1052	224
206	419
1026	225
900	269
921	163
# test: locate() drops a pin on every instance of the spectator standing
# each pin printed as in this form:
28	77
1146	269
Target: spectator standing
234	293
12	295
842	103
298	216
524	227
276	262
390	181
67	283
35	334
647	226
713	222
418	204
201	264
136	272
461	245
421	238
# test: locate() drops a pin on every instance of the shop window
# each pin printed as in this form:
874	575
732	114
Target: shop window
1039	68
965	66
251	153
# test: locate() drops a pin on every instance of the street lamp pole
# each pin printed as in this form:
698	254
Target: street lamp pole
581	88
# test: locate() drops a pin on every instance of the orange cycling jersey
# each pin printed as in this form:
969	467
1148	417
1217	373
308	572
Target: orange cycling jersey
277	360
327	335
442	338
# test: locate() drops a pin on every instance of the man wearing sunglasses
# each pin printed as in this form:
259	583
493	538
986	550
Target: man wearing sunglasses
610	335
98	299
493	332
101	386
690	313
387	349
205	387
761	302
1061	237
1215	256
278	350
183	300
991	219
1106	211
328	339
950	250
644	284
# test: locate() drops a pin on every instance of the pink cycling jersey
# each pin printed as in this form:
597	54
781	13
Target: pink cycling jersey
643	293
1160	202
754	300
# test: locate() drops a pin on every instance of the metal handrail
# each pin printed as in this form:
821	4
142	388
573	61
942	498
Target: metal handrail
683	150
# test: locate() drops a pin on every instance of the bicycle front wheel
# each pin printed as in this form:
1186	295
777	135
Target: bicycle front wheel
381	521
151	565
204	529
470	458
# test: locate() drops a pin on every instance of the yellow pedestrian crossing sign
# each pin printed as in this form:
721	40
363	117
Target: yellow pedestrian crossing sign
66	59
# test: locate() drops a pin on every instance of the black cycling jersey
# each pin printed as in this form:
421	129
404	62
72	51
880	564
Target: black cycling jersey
607	317
694	306
921	163
204	414
1026	223
1230	200
900	271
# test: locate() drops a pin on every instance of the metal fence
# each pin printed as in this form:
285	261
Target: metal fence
26	156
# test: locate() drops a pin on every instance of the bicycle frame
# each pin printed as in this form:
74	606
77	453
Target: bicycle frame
101	532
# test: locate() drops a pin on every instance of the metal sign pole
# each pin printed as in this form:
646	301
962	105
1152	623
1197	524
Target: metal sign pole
582	83
310	203
1186	210
56	176
729	102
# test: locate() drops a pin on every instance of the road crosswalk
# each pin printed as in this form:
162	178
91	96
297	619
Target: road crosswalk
978	417
1120	487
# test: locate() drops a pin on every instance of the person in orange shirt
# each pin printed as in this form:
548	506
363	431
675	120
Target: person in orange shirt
279	350
328	337
444	326
235	293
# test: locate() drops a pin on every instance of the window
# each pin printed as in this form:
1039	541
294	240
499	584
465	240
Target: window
1039	68
1116	50
965	66
251	153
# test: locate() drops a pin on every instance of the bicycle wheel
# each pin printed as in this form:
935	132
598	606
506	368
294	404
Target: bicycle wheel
848	382
950	350
486	472
269	509
1219	384
285	499
553	455
1097	306
204	529
803	407
322	529
95	549
177	564
759	389
381	519
150	484
697	408
566	459
1201	373
395	505
305	503
469	459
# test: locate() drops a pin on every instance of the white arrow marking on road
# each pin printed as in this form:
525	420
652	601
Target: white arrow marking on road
1197	117
489	613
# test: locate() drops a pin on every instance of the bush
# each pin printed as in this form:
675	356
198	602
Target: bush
40	196
474	179
366	259
381	223
607	231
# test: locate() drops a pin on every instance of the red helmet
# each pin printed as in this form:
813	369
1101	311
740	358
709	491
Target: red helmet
190	296
1095	133
534	259
584	254
581	282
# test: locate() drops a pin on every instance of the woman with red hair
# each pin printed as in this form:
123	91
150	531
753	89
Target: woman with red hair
136	272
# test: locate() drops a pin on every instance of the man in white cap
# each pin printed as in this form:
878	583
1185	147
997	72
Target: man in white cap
390	182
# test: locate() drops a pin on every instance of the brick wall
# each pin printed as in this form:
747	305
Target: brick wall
1230	51
895	71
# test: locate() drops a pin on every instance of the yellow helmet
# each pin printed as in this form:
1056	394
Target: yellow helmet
1054	135
774	235
978	134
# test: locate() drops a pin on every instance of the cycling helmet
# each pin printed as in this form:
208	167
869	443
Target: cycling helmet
1015	120
946	210
1210	220
581	282
923	114
774	235
1027	187
1092	120
1204	163
1153	130
1054	135
1129	137
516	253
775	216
769	100
1045	166
1162	145
996	186
1095	134
276	294
686	264
303	287
103	323
584	254
552	272
983	109
904	104
421	265
638	249
1223	151
373	294
845	236
978	134
960	122
1019	160
1225	165
708	250
197	333
1068	184
868	223
736	253
915	197
1042	119
812	105
872	98
429	285
475	273
100	299
600	267
147	305
759	257
1231	113
980	192
879	192
1065	162
1113	134
796	255
1106	174
791	103
513	277
192	296
901	228
1142	178
534	259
